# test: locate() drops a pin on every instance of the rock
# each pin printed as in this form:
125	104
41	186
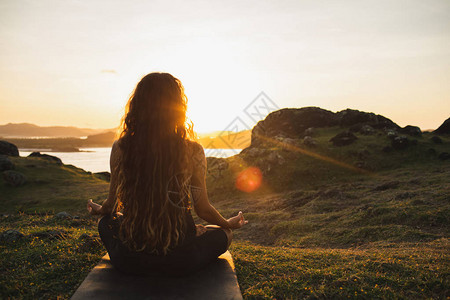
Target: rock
367	130
309	131
14	178
10	235
444	156
5	163
343	139
400	143
286	142
411	130
437	140
275	158
309	141
253	152
267	162
351	117
104	175
63	215
47	157
296	123
291	123
391	133
444	128
6	148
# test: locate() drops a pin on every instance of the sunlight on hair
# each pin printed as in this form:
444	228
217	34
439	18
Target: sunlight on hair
249	179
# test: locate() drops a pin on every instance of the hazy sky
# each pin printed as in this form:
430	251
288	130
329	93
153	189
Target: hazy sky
76	62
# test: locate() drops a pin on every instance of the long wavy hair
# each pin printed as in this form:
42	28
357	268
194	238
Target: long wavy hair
153	170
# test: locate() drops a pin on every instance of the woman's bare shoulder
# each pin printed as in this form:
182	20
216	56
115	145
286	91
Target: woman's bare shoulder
116	145
115	152
195	147
197	155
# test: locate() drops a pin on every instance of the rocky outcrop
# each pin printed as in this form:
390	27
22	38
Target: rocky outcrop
253	152
290	123
296	123
366	130
400	143
351	117
47	157
309	141
411	130
6	148
271	161
444	128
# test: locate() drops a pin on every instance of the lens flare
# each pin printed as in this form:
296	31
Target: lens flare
249	179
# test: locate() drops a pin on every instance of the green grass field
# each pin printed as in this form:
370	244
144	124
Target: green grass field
316	229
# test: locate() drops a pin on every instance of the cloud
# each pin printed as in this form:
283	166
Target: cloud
109	71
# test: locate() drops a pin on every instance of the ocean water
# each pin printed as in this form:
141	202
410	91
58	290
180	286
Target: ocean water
97	159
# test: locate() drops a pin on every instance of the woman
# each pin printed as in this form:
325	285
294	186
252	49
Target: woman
157	176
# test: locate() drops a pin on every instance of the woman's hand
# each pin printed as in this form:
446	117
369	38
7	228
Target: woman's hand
237	221
200	229
94	208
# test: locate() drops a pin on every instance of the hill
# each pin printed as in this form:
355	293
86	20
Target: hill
226	139
17	130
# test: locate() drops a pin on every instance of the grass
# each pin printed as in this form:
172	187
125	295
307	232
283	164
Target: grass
51	188
39	267
316	229
377	271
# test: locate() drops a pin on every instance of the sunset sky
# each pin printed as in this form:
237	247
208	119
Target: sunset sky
76	62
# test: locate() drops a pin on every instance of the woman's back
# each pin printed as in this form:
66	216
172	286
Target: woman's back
157	176
195	167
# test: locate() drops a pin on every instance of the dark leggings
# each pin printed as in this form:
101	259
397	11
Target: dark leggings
195	252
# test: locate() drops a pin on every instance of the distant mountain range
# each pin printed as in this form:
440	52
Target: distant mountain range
226	139
22	130
26	135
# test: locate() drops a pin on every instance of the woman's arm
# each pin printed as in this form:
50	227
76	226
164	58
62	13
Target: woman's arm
202	206
108	205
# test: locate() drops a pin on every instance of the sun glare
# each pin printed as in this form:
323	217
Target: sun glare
217	85
249	180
